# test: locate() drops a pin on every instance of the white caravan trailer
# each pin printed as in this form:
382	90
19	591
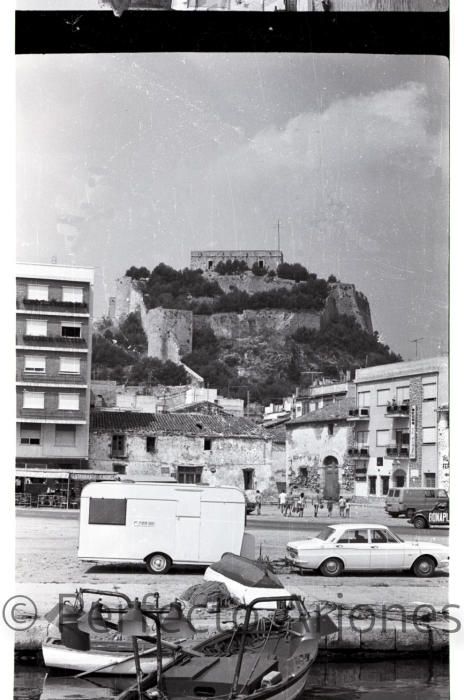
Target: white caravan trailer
161	524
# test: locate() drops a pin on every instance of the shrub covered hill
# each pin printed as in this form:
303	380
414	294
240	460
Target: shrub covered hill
268	360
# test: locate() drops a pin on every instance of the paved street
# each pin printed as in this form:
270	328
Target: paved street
47	564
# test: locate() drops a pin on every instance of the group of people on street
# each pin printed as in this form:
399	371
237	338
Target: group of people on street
294	504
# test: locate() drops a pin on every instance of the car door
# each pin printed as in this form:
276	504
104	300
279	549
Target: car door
353	547
386	551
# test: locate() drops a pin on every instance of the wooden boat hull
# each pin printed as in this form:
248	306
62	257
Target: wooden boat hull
58	656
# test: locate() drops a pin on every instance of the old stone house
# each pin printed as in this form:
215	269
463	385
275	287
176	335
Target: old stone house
318	445
189	447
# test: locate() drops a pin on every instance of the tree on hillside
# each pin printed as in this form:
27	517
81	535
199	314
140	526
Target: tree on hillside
137	273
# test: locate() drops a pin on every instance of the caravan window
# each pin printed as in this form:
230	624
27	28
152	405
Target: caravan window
107	511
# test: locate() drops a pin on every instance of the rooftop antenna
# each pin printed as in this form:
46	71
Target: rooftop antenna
416	341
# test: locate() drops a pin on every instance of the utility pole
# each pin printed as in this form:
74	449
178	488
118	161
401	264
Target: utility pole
416	341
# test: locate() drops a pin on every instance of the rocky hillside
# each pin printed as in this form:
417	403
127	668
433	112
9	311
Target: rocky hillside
247	332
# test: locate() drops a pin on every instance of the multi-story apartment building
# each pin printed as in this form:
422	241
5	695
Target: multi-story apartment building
401	426
53	350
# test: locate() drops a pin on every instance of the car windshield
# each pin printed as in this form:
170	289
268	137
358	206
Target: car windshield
325	533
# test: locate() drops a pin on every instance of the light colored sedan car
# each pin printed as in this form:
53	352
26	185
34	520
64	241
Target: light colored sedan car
361	547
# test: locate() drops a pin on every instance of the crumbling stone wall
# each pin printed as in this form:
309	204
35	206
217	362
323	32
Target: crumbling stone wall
250	322
343	299
127	299
222	465
169	333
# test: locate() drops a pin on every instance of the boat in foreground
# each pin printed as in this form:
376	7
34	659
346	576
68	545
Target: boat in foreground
269	657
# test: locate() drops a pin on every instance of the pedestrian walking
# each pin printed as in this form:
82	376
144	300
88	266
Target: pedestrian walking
347	507
301	504
288	505
295	499
316	504
259	502
341	506
282	502
329	507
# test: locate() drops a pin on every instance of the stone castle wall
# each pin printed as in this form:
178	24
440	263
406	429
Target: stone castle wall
250	323
343	299
208	259
169	333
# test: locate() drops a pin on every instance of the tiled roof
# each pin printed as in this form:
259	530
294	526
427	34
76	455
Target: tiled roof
333	411
277	433
201	406
176	424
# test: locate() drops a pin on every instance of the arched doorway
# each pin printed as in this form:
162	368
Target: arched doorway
331	482
399	478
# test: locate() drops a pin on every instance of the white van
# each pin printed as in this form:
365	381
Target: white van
161	524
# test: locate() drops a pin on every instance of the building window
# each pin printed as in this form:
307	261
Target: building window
429	436
429	392
36	327
33	399
65	435
430	480
73	294
402	438
68	402
383	396
151	443
70	329
385	485
37	292
118	446
362	437
189	475
380	461
260	264
107	511
364	399
382	438
30	433
207	444
34	364
331	428
119	468
210	264
402	394
372	485
70	365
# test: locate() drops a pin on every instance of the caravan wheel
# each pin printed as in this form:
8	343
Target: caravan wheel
158	563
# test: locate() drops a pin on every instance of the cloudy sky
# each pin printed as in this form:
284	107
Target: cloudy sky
135	159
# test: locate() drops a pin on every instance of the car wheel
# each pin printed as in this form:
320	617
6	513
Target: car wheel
410	512
424	567
331	567
158	563
420	522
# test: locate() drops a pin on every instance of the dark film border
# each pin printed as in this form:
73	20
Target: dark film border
144	31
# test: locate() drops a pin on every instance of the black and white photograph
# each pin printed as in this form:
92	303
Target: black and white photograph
232	456
118	7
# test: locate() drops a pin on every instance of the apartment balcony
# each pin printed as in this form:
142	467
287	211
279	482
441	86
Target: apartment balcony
395	410
359	452
51	415
78	307
397	451
44	378
355	414
52	341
